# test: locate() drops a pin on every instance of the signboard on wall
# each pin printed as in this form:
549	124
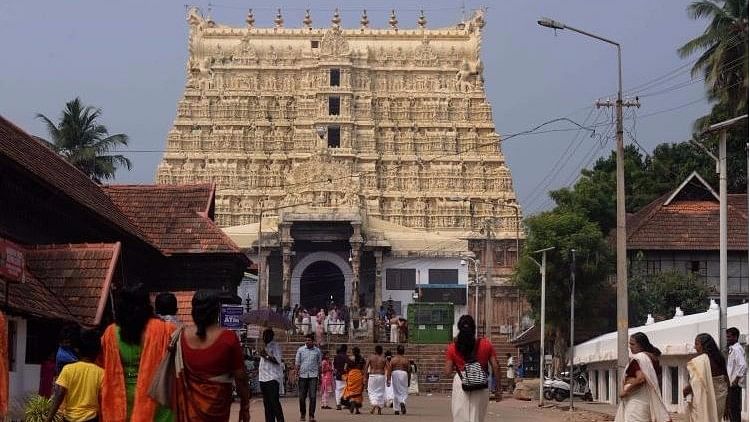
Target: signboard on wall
12	264
231	317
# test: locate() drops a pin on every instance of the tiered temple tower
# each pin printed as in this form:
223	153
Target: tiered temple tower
394	122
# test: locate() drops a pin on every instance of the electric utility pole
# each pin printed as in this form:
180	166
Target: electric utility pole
622	266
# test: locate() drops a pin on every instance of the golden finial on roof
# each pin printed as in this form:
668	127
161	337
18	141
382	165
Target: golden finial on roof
279	21
422	21
393	21
250	19
336	20
364	21
308	19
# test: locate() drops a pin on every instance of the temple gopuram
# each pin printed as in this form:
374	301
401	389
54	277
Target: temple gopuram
353	165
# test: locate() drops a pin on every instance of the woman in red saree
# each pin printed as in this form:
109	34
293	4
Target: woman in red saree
208	361
355	382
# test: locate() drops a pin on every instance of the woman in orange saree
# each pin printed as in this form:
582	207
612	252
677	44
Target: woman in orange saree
208	360
132	349
355	382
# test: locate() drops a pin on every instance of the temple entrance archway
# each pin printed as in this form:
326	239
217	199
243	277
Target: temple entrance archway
321	283
317	277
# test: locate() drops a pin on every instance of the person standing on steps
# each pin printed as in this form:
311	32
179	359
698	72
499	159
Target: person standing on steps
307	362
375	374
510	373
339	371
399	376
270	376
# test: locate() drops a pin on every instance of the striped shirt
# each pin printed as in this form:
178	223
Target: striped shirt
308	361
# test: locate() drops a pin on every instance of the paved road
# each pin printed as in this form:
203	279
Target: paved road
432	408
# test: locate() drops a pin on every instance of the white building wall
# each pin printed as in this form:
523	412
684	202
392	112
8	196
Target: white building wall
422	267
610	389
23	379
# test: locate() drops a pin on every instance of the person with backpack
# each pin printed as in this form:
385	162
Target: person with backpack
469	358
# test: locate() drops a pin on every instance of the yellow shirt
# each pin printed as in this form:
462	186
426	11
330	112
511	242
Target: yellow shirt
82	380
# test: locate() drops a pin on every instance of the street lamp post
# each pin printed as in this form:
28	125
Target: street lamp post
543	272
572	320
622	278
721	166
476	284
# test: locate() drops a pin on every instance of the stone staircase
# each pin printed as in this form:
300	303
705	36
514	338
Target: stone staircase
429	358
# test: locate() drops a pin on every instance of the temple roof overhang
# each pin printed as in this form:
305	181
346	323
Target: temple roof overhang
400	241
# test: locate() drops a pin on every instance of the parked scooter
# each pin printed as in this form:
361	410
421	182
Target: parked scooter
560	389
550	385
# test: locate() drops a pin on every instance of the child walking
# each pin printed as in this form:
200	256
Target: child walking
79	383
326	381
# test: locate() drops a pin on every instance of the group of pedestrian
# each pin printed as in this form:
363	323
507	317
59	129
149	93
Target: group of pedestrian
714	390
344	377
330	320
122	374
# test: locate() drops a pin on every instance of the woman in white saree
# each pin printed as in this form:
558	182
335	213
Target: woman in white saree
708	382
641	397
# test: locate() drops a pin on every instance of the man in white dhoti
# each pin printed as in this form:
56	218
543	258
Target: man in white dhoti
375	373
641	397
398	374
708	382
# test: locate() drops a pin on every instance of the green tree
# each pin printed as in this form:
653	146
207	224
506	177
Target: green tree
84	142
594	196
723	63
723	60
659	294
567	230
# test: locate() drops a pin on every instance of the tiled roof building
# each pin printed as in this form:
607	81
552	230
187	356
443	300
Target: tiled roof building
680	231
67	243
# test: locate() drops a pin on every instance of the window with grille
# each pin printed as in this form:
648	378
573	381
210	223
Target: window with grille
335	77
334	137
334	106
400	279
440	276
653	267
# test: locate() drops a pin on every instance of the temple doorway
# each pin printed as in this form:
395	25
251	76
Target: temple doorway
321	283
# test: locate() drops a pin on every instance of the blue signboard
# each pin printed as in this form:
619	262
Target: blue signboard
230	317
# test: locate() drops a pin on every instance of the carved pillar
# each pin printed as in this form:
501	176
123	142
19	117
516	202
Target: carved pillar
378	278
356	245
263	272
286	264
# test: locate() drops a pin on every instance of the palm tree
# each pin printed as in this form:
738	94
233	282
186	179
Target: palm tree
723	62
85	143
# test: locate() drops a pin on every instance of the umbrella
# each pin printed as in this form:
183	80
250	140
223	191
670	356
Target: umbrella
267	318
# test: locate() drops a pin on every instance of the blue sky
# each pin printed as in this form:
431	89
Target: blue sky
129	59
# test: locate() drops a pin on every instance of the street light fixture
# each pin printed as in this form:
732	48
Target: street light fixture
622	277
543	272
476	284
721	167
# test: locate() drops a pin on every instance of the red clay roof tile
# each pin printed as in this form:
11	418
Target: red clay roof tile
174	217
686	224
79	275
63	178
